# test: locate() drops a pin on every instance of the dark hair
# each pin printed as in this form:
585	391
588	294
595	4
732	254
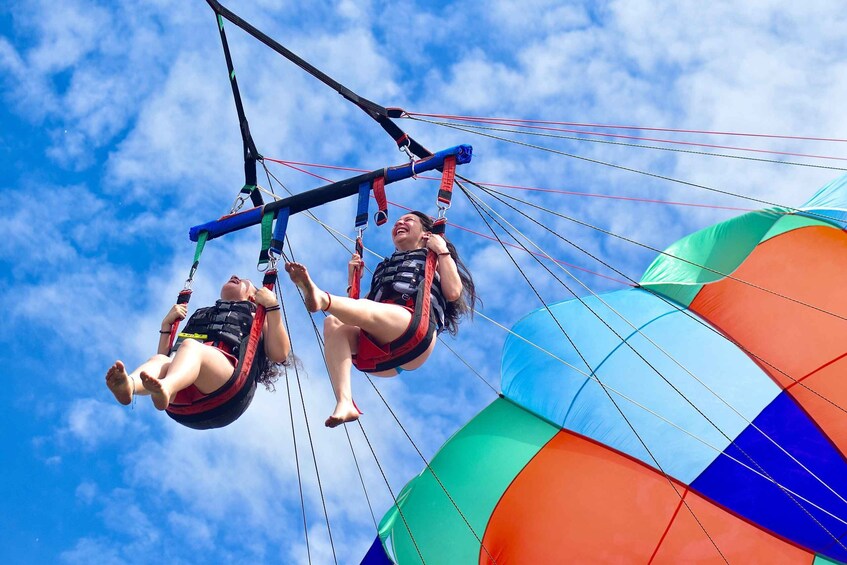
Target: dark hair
268	372
465	304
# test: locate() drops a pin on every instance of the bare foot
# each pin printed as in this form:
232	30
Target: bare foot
315	298
159	394
344	412
118	382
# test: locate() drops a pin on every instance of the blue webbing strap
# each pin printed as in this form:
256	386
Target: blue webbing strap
362	209
279	231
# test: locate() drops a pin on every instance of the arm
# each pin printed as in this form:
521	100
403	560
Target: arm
177	312
354	268
448	272
277	344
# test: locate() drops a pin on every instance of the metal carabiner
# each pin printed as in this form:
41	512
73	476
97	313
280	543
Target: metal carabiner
238	204
405	149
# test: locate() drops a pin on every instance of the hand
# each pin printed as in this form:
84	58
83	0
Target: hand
355	262
177	312
436	243
265	297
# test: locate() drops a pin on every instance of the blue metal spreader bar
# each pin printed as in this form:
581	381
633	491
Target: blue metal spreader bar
329	193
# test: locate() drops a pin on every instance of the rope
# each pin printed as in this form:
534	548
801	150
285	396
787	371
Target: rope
640	172
468	365
665	253
652	367
629	127
293	165
671	303
431	470
361	479
692	375
394	498
602	385
658	148
311	443
294	439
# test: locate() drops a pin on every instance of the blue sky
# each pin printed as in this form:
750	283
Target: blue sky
119	133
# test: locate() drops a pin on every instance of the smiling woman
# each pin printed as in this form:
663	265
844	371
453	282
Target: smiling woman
205	359
389	323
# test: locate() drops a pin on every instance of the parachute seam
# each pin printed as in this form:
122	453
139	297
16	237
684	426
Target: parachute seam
603	386
699	411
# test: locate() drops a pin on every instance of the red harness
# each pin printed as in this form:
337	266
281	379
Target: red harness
226	404
373	358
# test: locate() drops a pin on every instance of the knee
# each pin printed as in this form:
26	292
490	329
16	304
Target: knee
189	345
158	358
332	325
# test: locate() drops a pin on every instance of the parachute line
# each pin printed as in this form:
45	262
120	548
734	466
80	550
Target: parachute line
647	173
681	366
407	114
670	149
593	374
312	447
294	438
653	368
674	305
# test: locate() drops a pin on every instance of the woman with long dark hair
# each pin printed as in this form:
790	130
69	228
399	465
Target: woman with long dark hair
387	312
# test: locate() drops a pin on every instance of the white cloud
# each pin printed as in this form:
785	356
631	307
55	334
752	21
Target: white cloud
91	423
151	91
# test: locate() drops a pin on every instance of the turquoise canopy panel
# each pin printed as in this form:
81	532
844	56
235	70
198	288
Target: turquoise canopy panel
652	389
830	202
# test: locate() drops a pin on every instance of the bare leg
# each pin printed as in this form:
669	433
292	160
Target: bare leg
341	343
384	322
194	364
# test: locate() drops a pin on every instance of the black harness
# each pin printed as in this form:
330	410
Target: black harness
227	321
398	278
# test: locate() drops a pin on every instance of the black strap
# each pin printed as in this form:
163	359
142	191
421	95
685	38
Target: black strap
374	110
251	154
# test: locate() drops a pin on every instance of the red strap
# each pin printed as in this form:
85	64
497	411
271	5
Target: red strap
235	383
256	329
356	284
381	201
371	356
448	175
182	298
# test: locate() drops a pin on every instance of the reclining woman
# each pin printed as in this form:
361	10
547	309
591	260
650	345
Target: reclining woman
387	312
194	369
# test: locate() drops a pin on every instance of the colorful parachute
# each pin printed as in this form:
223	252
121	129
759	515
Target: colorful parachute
701	417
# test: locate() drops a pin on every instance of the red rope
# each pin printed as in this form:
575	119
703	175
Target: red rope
653	139
614	126
293	165
537	254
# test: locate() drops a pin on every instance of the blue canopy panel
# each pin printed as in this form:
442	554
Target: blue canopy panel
815	522
376	555
567	398
829	203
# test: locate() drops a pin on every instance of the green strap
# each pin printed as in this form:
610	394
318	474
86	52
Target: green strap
267	235
202	238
